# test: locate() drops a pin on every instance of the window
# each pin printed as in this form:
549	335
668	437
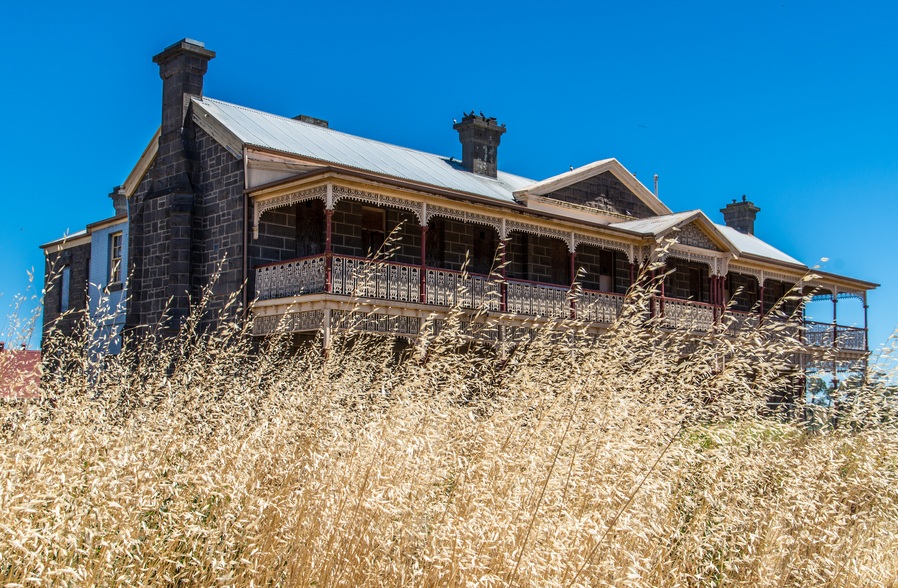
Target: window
115	258
64	288
374	229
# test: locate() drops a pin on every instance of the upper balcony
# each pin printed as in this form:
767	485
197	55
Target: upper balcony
312	254
394	284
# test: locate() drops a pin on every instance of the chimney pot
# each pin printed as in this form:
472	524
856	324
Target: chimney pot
119	201
479	137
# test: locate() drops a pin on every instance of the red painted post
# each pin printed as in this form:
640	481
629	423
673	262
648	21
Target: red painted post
573	259
328	251
424	264
652	298
503	287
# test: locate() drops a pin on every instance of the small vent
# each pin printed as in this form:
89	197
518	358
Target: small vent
318	122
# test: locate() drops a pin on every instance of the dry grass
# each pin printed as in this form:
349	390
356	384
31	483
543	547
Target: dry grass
635	459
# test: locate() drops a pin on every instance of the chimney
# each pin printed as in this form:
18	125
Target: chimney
479	136
318	122
119	201
181	67
741	215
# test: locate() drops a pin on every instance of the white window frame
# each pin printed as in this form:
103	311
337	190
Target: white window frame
64	288
115	261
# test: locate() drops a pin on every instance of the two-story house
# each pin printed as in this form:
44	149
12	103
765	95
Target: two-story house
295	209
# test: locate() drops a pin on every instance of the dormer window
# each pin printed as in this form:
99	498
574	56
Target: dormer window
115	258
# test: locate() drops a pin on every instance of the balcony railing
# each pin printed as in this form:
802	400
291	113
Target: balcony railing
685	314
453	288
830	335
538	299
387	280
599	307
290	278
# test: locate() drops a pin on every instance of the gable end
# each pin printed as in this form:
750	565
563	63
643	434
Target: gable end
606	193
693	236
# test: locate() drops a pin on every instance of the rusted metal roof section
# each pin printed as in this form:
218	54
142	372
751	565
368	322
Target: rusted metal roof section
288	135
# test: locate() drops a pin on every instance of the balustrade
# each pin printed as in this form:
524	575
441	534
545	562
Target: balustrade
385	280
829	335
451	288
599	307
538	299
290	278
685	314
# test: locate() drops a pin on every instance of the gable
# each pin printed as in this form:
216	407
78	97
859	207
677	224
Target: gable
605	193
694	235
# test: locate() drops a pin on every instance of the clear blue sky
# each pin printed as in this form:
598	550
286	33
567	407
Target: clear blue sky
791	103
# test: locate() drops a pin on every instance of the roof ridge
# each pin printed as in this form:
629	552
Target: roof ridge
356	137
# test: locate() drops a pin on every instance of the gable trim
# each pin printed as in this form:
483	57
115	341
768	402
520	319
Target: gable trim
143	164
594	169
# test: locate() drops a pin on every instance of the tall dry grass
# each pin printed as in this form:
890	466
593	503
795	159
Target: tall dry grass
638	458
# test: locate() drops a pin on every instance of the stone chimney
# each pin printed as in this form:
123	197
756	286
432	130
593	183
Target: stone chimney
741	215
119	201
479	136
181	67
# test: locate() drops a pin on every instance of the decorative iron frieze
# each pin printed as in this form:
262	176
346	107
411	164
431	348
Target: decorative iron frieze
435	210
262	206
521	227
625	248
377	199
370	322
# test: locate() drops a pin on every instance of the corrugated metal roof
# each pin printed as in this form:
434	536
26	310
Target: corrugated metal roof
754	246
654	225
288	135
292	136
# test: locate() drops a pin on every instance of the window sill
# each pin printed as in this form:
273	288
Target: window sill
114	287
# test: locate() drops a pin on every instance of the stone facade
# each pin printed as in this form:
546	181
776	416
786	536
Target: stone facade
688	279
77	260
606	193
183	243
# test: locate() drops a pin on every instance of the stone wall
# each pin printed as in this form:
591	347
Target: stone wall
688	280
604	192
77	259
451	242
180	242
589	259
744	291
539	259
